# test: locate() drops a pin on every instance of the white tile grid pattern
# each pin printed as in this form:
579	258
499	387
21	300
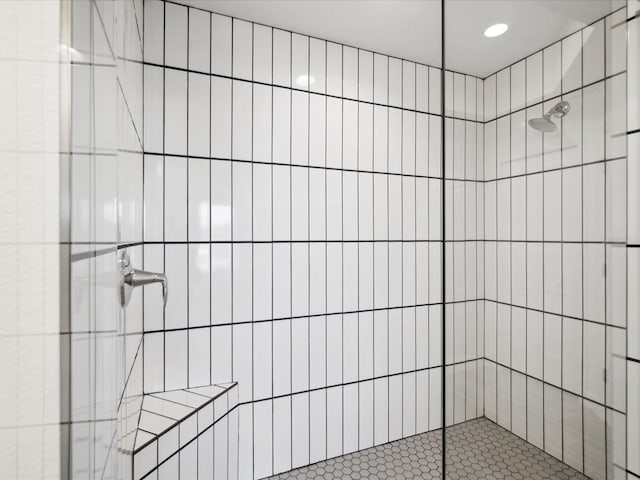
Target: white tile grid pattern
104	201
292	192
555	210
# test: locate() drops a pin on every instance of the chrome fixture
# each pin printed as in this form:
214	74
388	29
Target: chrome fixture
131	278
545	124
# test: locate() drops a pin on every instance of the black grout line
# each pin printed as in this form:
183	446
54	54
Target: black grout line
359	381
326	254
272	269
358	236
632	474
554	98
342	249
253	275
373	264
388	221
232	234
308	248
310	92
392	174
584	440
415	235
209	215
526	260
557	387
401	265
510	256
144	173
290	36
350	312
164	185
97	253
443	363
495	310
188	250
562	288
604	236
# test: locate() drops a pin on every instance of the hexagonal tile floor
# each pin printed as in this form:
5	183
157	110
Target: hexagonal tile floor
477	449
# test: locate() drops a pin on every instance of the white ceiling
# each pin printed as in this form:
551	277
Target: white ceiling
410	29
533	24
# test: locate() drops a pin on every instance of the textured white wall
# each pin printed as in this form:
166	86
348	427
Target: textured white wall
30	127
633	240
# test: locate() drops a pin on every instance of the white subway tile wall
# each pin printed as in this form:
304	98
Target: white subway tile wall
291	190
555	239
292	193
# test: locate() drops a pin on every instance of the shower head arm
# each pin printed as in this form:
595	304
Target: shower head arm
559	110
546	124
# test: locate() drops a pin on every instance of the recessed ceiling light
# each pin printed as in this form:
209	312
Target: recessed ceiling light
496	30
305	80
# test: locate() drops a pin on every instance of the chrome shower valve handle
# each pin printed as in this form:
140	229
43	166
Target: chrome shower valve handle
131	278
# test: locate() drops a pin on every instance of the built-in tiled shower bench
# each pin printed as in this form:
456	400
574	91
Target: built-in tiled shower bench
187	433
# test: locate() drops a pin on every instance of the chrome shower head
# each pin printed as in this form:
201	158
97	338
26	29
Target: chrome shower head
545	124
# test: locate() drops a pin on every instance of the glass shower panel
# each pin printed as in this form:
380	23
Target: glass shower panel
313	277
535	239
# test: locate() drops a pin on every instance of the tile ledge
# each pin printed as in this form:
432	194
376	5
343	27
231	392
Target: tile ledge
222	397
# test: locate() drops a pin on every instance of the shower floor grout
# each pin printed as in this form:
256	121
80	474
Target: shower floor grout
477	449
